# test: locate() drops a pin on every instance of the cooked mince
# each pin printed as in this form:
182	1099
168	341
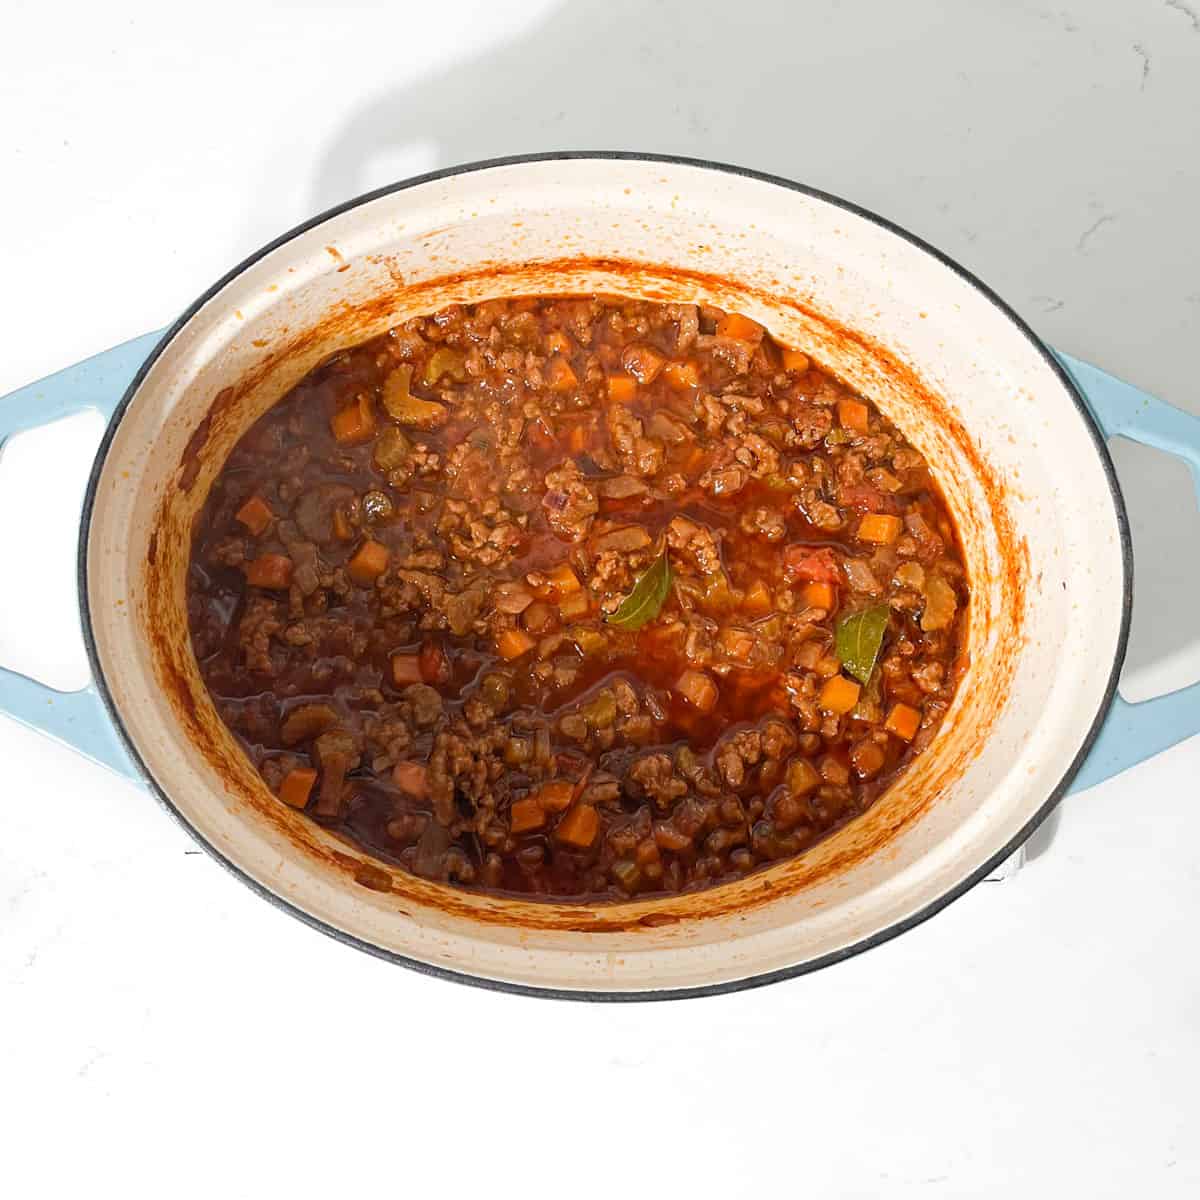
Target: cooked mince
577	598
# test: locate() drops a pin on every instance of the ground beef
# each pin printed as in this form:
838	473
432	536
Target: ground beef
258	625
570	503
655	776
694	543
541	596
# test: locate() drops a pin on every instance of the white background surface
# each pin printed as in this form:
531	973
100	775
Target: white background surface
162	1031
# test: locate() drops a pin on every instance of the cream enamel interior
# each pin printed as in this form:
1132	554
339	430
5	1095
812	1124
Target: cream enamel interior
1043	547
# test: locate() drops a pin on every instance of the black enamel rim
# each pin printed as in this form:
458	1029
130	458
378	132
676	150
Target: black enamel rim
714	989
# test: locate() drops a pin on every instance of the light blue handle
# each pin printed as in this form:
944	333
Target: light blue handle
77	718
1132	733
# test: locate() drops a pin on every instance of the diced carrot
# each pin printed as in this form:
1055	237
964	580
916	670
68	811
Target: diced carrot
412	778
880	528
342	529
757	601
698	690
557	342
356	423
818	595
621	388
853	414
526	815
574	606
903	721
579	827
369	562
255	514
682	375
734	325
559	375
556	796
839	695
512	643
297	785
269	571
563	580
794	360
406	669
643	362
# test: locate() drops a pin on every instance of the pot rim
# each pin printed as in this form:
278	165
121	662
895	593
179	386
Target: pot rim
753	981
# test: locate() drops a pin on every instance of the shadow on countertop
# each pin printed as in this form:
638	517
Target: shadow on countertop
659	76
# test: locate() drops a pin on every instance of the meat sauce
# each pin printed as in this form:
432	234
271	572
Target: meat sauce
577	597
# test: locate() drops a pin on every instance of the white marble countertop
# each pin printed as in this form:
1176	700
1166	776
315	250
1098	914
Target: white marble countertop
164	1031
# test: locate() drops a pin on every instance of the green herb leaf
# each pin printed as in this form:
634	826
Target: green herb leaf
859	638
647	598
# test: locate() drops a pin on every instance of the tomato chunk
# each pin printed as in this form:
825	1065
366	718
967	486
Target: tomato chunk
810	565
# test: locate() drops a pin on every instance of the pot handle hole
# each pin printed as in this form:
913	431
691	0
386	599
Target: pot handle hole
1132	733
79	718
